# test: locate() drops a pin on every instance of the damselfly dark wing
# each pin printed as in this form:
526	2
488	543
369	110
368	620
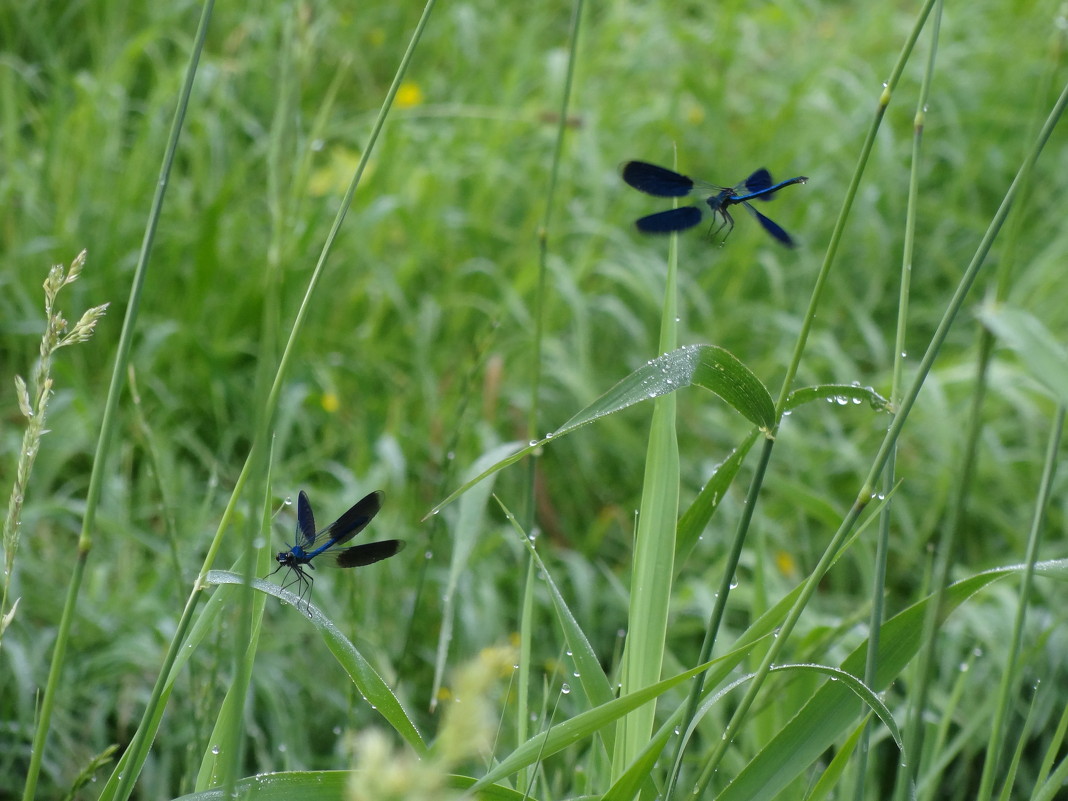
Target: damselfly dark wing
368	554
658	181
351	523
305	522
670	221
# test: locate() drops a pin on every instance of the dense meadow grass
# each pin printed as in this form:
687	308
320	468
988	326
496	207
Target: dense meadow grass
463	283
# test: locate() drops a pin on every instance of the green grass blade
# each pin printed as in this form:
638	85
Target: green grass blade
697	515
638	774
220	761
1041	353
1008	779
468	529
592	677
707	366
841	394
1009	676
832	709
653	565
371	685
830	777
1054	786
1054	747
581	727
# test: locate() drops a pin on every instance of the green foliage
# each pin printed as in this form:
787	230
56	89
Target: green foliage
416	362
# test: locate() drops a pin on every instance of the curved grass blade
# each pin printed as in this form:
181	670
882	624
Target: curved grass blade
842	394
372	686
580	727
832	709
709	366
592	677
696	517
468	526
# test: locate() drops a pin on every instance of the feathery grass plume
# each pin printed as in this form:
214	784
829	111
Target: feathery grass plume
56	336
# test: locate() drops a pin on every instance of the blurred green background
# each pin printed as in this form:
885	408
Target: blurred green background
419	354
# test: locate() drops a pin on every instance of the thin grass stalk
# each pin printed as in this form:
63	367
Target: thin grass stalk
1009	674
847	204
914	735
882	549
914	731
537	347
227	752
715	619
990	763
543	254
893	432
109	420
138	747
